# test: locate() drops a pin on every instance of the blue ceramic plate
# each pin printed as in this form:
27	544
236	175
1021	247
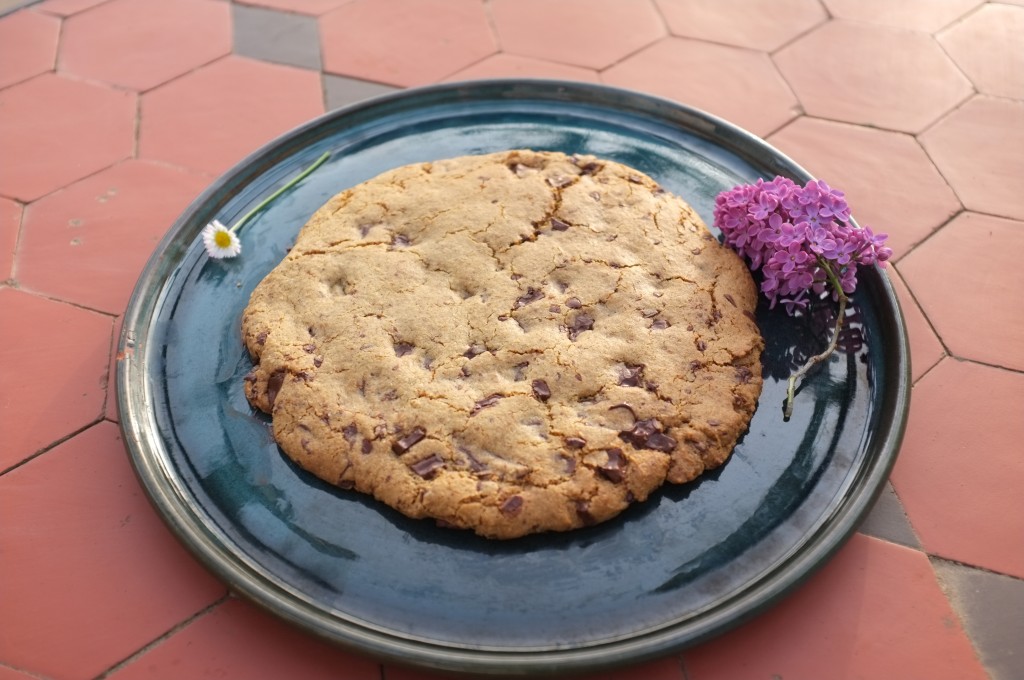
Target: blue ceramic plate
687	564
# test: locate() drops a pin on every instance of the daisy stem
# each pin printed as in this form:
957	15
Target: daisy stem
818	358
295	180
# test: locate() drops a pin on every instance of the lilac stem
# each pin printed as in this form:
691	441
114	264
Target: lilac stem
818	358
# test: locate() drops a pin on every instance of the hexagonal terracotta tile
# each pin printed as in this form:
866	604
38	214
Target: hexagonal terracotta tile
977	148
82	129
890	183
989	46
971	270
925	348
10	225
919	15
28	45
885	77
87	243
755	24
165	40
91	547
243	642
511	66
405	42
843	621
741	86
959	473
589	33
67	7
212	118
62	389
313	7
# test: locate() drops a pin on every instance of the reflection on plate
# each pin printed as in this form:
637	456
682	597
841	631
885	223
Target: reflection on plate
687	564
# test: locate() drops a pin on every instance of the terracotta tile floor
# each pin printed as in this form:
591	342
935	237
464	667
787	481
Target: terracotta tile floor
112	118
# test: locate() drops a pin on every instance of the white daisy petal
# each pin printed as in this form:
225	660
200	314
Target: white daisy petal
219	241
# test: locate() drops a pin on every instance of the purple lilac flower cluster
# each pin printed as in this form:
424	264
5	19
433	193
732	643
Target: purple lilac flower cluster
797	236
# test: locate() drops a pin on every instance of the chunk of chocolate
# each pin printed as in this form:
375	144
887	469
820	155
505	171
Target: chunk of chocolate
366	446
519	371
402	445
730	299
743	375
428	467
573	303
701	345
659	441
309	349
274	383
532	295
541	390
349	432
512	506
582	322
318	361
659	325
583	512
559	225
631	375
614	469
400	240
474	350
561	181
403	348
489	400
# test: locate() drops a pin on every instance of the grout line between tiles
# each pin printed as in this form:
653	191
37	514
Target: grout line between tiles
932	557
49	447
160	639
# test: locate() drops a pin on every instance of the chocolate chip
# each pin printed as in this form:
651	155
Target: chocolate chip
558	225
660	441
402	445
400	240
625	406
659	324
743	375
554	309
696	366
541	390
575	442
701	345
309	349
560	182
696	251
582	322
658	191
490	400
305	445
346	484
595	195
512	506
583	512
403	348
428	467
532	295
573	303
729	298
632	375
274	383
318	361
648	313
390	395
570	464
714	423
473	351
261	337
613	469
349	432
590	168
642	430
747	313
519	371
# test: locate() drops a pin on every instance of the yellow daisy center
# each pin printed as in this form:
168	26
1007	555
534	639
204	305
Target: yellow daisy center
222	239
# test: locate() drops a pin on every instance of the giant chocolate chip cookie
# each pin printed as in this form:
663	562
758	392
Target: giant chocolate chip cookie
510	343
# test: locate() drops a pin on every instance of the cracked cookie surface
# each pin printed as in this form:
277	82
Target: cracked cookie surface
510	343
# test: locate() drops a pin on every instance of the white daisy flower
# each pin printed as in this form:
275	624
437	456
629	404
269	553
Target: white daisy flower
220	241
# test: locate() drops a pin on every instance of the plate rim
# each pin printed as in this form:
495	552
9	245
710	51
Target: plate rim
164	490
